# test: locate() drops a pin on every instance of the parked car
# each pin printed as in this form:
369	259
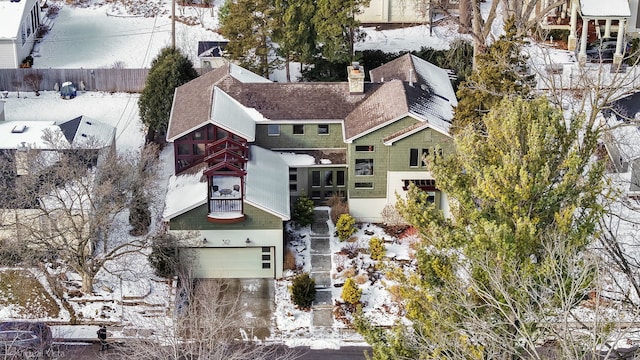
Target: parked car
21	339
603	50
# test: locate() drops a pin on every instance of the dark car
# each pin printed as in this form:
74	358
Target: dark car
603	50
21	339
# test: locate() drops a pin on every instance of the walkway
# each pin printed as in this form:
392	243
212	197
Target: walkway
321	269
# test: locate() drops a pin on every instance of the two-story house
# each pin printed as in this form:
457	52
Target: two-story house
245	148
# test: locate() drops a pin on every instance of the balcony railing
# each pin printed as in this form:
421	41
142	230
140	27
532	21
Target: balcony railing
225	210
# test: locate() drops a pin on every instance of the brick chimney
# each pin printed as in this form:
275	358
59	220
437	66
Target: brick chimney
355	73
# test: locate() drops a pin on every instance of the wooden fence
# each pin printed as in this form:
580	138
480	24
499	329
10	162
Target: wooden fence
112	80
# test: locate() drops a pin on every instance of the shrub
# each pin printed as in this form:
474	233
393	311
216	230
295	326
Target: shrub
139	214
303	211
290	260
163	257
351	293
338	207
345	226
376	248
303	291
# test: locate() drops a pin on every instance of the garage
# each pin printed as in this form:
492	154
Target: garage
246	262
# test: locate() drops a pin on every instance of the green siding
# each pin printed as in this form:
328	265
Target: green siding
426	139
389	158
196	219
309	140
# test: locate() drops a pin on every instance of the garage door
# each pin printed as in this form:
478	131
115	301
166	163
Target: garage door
251	262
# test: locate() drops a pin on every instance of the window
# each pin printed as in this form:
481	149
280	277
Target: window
198	135
364	166
293	187
315	194
323	129
315	178
364	148
340	178
413	157
431	197
328	178
183	149
198	149
425	156
328	194
266	257
298	129
364	185
293	175
273	130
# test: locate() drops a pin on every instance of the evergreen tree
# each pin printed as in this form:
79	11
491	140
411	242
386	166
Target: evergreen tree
248	26
337	30
525	204
501	70
294	32
169	70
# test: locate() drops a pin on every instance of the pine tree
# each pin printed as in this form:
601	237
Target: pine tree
337	29
248	25
525	203
294	32
169	70
502	70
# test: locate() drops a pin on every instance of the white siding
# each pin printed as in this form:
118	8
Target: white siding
8	57
367	210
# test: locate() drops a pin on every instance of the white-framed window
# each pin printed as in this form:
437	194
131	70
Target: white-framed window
298	129
364	167
273	130
365	148
323	129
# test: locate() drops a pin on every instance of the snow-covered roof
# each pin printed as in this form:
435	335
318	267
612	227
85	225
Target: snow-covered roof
184	192
80	132
602	8
267	183
266	187
15	134
10	17
83	131
230	115
438	80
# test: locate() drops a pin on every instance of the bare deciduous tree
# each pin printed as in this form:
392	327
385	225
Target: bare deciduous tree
207	324
66	202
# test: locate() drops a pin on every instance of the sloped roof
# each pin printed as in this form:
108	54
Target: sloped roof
10	17
211	48
191	101
236	119
83	131
267	187
267	184
428	97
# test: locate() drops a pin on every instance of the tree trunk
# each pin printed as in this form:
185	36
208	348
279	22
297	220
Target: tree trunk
287	64
465	16
87	283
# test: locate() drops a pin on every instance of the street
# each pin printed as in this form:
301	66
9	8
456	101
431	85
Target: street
89	351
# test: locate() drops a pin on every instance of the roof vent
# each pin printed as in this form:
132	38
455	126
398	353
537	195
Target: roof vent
88	122
19	129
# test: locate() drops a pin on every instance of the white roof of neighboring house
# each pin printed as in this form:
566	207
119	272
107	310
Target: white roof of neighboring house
79	133
10	18
602	8
267	187
230	115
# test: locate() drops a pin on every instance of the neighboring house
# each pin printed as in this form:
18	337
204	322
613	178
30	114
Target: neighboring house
245	148
589	19
19	22
402	11
211	54
621	142
20	141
